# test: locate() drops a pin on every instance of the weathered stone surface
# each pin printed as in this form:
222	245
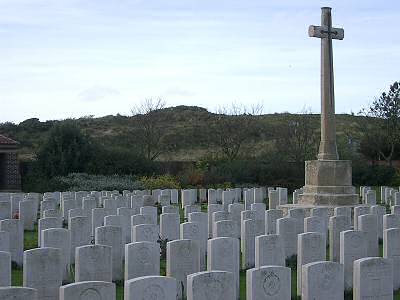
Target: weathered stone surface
5	268
183	258
271	216
28	213
286	228
4	241
247	244
259	208
353	245
369	225
269	251
212	208
379	211
18	293
169	226
322	280
141	219
150	211
328	182
193	231
268	283
391	221
47	223
170	209
311	248
5	210
235	210
211	285
373	279
93	263
142	259
391	250
201	219
59	238
80	230
273	199
42	271
98	215
360	211
112	236
15	229
224	255
88	290
337	224
145	233
298	214
151	287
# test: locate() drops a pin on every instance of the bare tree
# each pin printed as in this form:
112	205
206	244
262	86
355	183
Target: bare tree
234	126
297	138
149	130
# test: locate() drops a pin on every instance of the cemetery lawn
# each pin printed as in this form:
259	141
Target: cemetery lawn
30	242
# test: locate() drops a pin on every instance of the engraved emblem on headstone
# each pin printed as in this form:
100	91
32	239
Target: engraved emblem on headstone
153	292
90	294
272	284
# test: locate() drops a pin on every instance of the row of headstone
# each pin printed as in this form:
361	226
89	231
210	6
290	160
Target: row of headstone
255	226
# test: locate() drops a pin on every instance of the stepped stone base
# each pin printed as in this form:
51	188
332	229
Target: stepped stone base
328	183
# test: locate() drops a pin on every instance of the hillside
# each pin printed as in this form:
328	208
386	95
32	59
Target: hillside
187	127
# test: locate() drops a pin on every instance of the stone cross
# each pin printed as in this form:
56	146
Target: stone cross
327	147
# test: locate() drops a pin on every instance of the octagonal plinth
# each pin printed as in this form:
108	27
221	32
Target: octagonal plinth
328	182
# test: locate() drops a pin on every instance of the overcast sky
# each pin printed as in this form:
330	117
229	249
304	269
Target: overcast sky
61	59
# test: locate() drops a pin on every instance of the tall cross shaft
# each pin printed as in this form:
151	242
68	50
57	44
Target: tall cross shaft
327	147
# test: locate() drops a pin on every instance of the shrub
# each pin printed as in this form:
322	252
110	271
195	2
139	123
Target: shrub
86	182
160	182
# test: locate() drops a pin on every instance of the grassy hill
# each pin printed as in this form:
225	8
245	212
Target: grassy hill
187	127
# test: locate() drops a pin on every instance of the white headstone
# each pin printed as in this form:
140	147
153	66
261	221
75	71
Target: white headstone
373	279
211	285
269	251
5	210
224	255
18	293
42	271
145	233
59	238
169	226
391	250
183	258
268	283
15	229
322	280
151	287
359	211
28	213
93	263
88	290
5	241
337	224
193	231
247	245
271	216
80	230
311	248
141	259
112	236
353	245
5	268
286	228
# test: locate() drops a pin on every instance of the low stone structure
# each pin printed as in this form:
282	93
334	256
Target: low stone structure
10	178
